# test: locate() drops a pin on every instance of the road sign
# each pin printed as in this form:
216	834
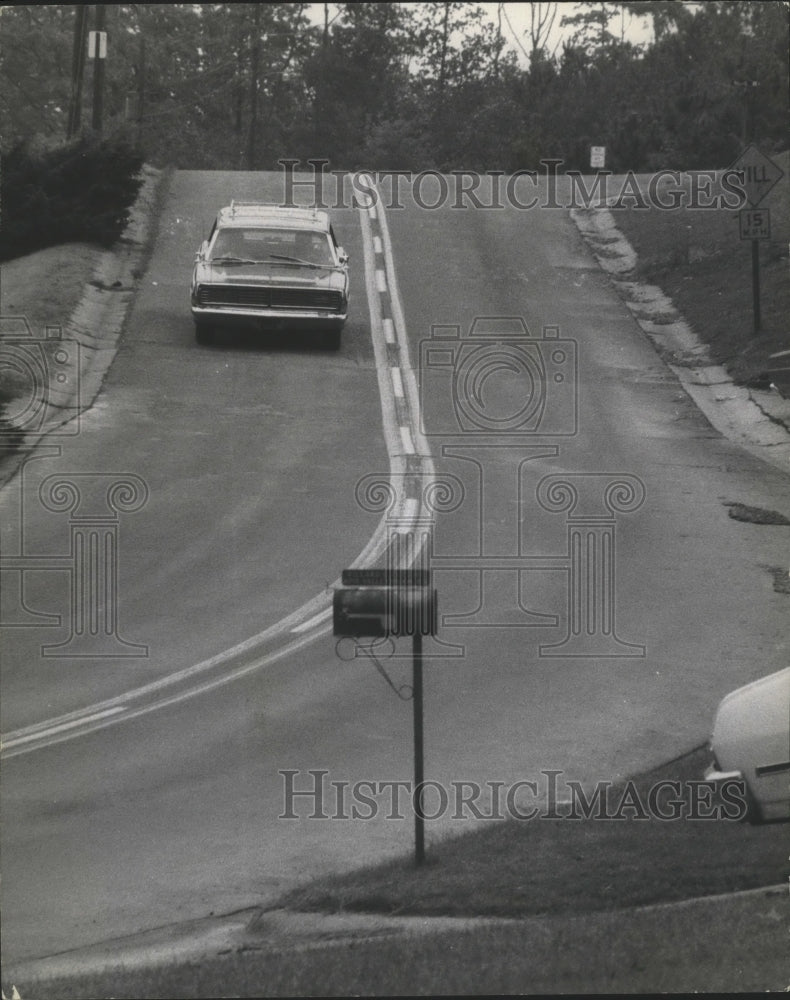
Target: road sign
97	44
758	174
597	157
755	224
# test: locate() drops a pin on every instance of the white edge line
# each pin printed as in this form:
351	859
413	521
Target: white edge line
388	414
411	508
409	378
315	620
54	730
102	711
102	722
397	383
406	440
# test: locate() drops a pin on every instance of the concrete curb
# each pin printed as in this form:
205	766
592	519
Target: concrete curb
755	419
279	930
89	341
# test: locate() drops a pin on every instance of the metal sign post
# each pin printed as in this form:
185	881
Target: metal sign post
385	603
97	50
756	317
755	225
758	174
419	776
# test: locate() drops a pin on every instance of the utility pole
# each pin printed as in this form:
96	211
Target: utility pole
99	55
140	91
77	69
419	766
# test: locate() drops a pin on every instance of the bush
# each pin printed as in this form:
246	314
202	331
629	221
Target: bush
78	192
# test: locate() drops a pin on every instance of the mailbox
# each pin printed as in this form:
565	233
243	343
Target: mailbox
393	602
384	603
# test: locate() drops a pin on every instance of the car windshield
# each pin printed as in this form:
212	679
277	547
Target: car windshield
298	246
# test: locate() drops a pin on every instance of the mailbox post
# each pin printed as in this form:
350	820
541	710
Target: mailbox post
375	603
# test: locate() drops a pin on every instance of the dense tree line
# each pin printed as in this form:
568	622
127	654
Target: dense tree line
81	190
407	85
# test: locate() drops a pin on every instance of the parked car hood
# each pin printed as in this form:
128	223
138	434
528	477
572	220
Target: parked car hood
757	714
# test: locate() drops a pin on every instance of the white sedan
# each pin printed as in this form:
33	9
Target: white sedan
751	743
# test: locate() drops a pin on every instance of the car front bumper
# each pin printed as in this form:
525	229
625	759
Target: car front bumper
712	773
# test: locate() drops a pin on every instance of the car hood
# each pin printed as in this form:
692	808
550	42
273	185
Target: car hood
270	273
756	715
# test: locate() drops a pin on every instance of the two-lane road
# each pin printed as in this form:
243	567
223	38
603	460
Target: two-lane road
251	455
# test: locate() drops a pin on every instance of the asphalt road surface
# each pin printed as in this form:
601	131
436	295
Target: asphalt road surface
151	790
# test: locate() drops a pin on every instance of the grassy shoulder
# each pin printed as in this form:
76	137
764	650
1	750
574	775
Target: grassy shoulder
43	289
515	868
576	889
697	258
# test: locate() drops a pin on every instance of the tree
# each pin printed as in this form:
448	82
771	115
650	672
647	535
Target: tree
666	15
355	78
420	85
35	72
591	25
541	21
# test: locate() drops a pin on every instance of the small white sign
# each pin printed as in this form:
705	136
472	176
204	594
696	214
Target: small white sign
97	40
755	224
597	157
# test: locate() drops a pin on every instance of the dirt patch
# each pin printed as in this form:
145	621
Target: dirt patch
781	579
755	515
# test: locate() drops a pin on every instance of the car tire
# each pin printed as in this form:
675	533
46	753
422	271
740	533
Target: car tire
204	334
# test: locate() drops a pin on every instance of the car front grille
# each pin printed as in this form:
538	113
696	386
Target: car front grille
256	297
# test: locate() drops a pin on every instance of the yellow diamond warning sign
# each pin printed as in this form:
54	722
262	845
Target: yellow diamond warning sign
757	174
